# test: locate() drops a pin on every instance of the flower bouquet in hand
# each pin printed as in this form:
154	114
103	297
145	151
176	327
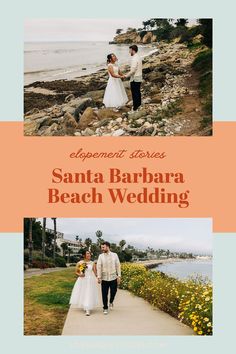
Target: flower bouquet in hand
82	267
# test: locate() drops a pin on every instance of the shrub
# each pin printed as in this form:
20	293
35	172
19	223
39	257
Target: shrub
186	37
190	301
203	61
206	24
195	30
36	255
42	265
178	31
142	33
163	33
60	262
203	65
48	261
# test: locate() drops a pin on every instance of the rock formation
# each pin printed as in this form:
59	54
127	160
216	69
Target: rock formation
170	101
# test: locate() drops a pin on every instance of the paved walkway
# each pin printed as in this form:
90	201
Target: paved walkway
131	316
37	271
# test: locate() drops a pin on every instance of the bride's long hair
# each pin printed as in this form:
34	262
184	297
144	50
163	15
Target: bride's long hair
109	58
84	252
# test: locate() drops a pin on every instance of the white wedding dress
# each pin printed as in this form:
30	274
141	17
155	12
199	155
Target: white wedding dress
115	95
85	294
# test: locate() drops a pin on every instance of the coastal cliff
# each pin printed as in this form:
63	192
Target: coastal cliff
134	37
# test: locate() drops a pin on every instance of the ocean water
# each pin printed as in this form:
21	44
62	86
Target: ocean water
47	61
185	269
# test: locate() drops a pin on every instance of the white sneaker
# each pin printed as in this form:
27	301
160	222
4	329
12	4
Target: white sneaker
111	306
87	313
105	312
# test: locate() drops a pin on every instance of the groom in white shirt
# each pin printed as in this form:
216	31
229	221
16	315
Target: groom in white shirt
109	274
135	75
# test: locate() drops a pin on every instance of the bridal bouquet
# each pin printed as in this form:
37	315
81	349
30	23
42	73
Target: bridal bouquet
82	267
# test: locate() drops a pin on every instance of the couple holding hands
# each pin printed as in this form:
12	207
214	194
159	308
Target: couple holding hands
115	95
108	273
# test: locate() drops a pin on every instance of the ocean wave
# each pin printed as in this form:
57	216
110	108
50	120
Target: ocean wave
66	69
82	46
40	66
50	51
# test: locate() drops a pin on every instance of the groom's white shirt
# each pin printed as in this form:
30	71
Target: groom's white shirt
108	266
136	69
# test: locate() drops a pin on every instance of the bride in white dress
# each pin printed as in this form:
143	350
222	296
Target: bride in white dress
84	294
115	95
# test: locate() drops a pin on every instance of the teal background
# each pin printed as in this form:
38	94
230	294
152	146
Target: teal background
12	46
11	315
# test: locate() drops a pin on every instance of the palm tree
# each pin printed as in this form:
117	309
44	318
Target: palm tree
181	22
99	237
64	247
88	242
122	243
146	25
30	246
43	239
54	238
69	253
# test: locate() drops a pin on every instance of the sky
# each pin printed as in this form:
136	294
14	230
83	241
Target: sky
182	234
76	29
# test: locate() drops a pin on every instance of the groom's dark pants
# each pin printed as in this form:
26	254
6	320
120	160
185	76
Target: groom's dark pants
136	94
106	285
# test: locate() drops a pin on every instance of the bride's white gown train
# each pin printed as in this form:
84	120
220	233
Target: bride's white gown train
115	95
85	294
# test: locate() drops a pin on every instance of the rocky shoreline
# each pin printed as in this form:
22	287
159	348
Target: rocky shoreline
156	262
171	103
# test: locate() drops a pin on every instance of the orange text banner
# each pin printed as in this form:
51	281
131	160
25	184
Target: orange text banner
207	165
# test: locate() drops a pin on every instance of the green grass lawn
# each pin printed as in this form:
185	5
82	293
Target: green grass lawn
46	302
